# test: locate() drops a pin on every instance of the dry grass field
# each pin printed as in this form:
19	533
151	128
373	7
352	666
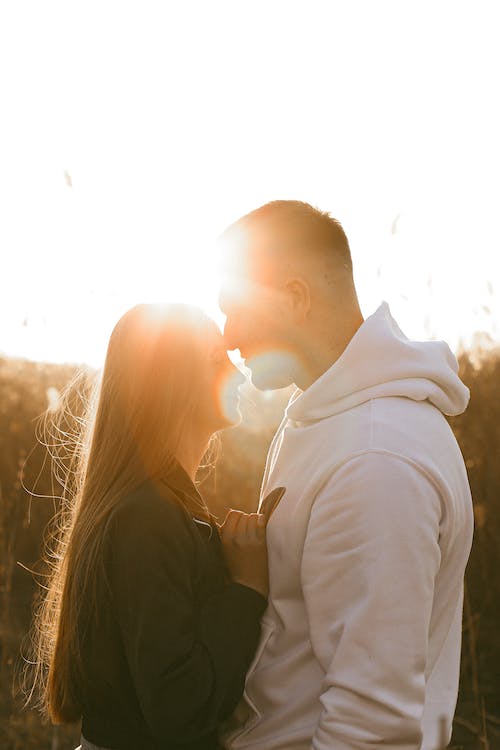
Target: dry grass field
27	388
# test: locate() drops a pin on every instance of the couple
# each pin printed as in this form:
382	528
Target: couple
162	629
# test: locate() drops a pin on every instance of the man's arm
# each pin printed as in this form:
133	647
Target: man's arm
370	559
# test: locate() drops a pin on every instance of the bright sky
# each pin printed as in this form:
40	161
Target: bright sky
131	133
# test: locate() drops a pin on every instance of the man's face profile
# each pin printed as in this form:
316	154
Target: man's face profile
256	323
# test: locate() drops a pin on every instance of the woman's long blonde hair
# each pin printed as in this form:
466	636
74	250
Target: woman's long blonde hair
144	404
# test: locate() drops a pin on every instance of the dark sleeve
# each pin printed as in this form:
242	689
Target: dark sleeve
188	664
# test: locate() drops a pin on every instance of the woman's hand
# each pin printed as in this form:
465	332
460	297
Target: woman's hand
243	537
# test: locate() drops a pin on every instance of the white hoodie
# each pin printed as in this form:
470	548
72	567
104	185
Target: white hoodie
360	644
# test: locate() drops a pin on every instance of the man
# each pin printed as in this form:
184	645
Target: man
360	642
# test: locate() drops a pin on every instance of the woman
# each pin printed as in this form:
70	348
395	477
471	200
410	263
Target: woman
151	617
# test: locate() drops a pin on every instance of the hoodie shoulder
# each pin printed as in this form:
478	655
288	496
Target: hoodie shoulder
380	361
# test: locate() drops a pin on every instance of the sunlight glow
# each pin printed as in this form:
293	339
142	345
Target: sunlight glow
135	133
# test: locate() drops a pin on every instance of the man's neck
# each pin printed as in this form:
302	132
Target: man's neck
324	351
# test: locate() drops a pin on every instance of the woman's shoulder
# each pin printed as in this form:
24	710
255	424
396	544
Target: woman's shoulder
151	505
149	536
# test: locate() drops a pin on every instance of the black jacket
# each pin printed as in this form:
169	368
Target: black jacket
166	658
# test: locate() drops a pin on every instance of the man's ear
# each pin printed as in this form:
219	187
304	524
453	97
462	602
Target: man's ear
298	296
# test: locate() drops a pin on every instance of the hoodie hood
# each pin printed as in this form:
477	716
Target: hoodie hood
380	361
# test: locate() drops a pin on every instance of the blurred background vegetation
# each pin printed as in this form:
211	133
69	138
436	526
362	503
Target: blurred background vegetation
28	388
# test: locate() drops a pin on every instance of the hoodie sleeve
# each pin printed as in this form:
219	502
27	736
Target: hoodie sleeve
370	560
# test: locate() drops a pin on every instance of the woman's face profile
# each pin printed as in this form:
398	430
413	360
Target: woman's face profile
219	396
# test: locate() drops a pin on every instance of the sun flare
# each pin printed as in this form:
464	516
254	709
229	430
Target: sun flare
119	171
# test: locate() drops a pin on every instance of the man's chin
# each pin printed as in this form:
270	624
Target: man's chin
269	384
271	371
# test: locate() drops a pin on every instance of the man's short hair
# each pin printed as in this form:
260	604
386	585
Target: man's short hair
292	225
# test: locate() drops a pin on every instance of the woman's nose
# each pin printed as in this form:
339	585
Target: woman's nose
238	377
